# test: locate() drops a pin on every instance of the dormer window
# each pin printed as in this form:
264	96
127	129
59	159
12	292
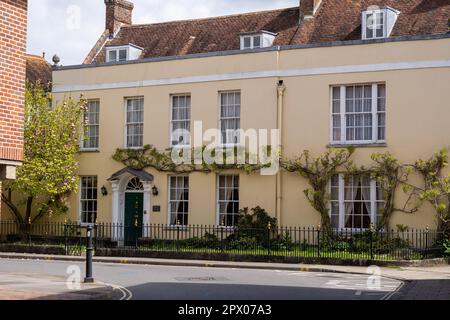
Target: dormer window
378	23
251	42
123	53
375	26
115	55
255	40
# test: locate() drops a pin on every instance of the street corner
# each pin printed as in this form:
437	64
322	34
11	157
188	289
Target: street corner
16	286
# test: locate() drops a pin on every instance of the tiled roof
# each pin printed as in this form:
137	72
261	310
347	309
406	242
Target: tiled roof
336	20
38	69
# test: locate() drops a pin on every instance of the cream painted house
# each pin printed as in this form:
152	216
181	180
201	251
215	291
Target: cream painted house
375	76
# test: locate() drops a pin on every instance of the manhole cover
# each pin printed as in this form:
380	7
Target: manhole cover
201	279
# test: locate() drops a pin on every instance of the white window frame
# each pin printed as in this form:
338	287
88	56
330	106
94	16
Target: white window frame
252	41
342	112
341	200
365	16
134	123
83	140
117	50
169	207
81	200
227	144
185	120
218	213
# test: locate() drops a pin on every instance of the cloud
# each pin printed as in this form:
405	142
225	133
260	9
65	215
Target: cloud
69	28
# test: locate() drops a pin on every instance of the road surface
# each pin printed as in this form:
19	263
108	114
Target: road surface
193	283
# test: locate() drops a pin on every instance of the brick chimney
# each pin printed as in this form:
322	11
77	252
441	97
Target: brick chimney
118	12
308	8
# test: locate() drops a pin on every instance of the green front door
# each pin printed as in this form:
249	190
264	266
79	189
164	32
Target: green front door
134	212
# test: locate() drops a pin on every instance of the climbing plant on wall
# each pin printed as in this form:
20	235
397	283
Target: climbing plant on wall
390	175
436	186
150	157
388	171
318	171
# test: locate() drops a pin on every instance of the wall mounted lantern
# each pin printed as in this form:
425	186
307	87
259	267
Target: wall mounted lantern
104	191
155	191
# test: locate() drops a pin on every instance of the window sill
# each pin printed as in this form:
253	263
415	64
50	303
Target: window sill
358	145
89	151
179	148
134	148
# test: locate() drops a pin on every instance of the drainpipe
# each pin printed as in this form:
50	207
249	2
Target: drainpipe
280	90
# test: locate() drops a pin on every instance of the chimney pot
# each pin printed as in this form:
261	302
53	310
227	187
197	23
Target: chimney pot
118	12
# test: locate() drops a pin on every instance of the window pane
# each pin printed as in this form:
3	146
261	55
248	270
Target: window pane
337	93
357	204
179	200
181	118
228	195
122	55
257	42
358	113
135	122
247	42
88	199
370	23
230	117
90	137
369	33
112	55
336	106
335	221
380	25
381	97
336	127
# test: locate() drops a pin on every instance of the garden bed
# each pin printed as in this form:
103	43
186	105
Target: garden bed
34	249
251	257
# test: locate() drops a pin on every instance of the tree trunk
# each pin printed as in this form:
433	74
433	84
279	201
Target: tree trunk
15	211
28	210
26	226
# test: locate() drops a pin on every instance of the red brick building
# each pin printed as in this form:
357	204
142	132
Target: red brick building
13	38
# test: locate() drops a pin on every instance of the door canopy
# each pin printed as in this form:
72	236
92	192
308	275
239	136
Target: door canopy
142	175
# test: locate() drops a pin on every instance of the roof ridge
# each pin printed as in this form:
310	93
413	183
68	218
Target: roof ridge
140	25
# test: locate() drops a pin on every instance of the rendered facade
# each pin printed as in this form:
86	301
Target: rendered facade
375	78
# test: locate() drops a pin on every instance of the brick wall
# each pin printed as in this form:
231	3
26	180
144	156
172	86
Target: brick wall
13	39
13	35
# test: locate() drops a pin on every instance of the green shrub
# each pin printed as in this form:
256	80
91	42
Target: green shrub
253	224
207	241
447	246
257	218
283	242
244	243
341	246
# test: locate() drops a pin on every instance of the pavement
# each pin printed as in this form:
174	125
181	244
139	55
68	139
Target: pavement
418	283
31	286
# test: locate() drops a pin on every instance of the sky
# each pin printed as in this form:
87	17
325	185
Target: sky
70	28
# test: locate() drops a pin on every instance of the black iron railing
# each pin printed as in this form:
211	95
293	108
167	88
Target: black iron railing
210	239
49	237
